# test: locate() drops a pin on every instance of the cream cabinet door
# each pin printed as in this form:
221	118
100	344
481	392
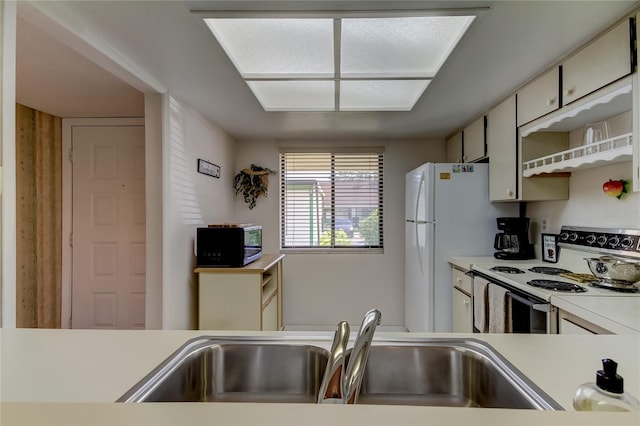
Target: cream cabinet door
567	327
461	312
270	316
603	61
474	141
539	97
454	148
502	142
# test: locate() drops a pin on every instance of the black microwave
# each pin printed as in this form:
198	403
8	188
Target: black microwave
228	246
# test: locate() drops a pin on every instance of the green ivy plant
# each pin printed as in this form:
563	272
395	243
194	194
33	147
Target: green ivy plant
252	183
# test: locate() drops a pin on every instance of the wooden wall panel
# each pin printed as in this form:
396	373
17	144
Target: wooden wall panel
39	212
25	218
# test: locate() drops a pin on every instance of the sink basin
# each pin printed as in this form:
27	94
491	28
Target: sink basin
453	373
212	370
405	371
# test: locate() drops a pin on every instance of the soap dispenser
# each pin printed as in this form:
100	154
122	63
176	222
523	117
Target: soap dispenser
606	394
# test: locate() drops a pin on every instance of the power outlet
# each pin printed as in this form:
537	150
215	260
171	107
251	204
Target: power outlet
545	224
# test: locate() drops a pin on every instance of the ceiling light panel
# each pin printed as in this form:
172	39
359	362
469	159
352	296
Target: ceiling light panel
399	47
380	95
295	95
277	48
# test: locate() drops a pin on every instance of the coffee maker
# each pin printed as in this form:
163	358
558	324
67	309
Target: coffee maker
513	242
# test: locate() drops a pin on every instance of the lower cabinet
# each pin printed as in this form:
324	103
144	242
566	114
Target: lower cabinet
572	324
247	298
462	310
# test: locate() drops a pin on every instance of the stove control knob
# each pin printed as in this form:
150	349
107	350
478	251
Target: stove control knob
614	241
591	239
564	236
573	237
627	242
602	240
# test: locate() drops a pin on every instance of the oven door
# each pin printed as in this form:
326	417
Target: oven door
532	316
529	314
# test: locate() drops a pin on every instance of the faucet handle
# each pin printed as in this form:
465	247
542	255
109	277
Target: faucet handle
358	360
331	387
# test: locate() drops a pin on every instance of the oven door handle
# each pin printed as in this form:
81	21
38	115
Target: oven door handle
542	307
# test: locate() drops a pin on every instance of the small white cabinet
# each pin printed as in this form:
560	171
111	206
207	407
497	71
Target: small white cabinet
539	97
461	309
474	143
603	61
454	148
467	145
247	298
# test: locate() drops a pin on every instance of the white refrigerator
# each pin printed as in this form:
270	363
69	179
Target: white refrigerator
447	213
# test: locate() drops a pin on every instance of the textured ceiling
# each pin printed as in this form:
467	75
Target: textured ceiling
507	45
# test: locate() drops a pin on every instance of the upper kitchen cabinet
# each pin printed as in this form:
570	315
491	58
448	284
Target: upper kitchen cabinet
598	110
605	60
474	145
506	181
502	142
539	97
454	148
598	122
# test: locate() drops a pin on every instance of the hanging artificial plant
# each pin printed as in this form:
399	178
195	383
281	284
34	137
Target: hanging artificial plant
252	182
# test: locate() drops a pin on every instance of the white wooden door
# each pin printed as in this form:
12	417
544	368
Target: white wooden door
109	261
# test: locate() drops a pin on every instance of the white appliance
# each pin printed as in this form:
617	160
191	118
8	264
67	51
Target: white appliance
447	213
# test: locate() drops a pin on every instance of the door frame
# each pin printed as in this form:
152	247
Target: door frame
67	200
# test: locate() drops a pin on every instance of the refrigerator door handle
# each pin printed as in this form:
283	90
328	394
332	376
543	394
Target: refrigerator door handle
415	216
420	259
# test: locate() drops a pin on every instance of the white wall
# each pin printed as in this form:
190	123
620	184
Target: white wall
322	289
153	112
8	156
191	199
588	205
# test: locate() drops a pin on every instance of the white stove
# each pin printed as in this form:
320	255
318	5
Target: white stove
571	270
527	280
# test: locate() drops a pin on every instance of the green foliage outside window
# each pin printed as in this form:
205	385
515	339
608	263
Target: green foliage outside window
369	229
342	239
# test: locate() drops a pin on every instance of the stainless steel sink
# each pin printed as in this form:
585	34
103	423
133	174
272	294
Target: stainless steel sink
407	371
234	371
458	373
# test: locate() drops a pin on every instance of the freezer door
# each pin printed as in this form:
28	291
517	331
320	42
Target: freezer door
419	194
419	279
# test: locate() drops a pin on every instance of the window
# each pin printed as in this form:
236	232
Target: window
331	199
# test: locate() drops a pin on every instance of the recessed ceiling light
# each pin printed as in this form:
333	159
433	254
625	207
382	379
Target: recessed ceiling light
380	95
294	95
338	63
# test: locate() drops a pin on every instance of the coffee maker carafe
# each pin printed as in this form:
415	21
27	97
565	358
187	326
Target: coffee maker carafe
513	242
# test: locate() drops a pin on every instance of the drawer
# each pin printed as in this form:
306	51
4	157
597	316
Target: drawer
462	281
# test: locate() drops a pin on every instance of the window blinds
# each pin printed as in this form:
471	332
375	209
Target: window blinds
332	199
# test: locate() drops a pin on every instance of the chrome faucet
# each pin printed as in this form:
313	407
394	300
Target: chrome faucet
342	380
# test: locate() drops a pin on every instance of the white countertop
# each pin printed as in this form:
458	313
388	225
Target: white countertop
94	368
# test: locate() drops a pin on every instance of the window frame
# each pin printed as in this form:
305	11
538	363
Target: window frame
333	152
